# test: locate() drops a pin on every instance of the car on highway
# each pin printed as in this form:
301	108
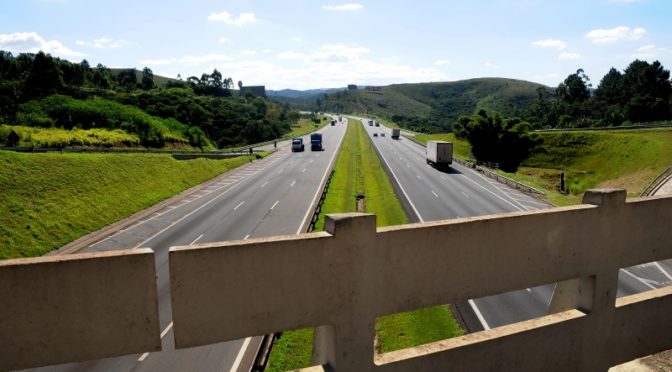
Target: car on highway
375	134
382	134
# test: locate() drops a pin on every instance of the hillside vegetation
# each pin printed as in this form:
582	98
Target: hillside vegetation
627	159
51	199
37	90
431	107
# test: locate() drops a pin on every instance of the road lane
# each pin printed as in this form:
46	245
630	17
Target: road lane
269	197
462	192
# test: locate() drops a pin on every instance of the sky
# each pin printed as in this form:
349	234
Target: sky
300	44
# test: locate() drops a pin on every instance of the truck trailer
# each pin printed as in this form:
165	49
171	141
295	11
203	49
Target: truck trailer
439	154
316	142
297	144
395	133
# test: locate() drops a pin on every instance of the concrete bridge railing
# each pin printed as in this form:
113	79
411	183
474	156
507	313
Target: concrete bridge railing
342	279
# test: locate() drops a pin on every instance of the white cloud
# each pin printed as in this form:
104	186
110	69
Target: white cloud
248	52
612	35
550	43
31	42
291	55
241	20
442	62
157	62
348	6
103	43
223	40
338	53
267	50
569	56
492	65
650	52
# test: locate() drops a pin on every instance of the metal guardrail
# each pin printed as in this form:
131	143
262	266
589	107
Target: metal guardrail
657	182
489	173
318	208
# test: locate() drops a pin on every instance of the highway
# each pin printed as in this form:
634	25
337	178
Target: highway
271	196
461	192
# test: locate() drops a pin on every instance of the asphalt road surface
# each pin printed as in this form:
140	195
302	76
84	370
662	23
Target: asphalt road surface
462	192
271	196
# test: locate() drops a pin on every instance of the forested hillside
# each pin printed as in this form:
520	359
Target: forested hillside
37	90
641	93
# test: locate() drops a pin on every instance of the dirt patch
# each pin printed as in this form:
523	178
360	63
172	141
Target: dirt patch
633	182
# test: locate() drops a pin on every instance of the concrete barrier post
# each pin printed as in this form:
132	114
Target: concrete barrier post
348	344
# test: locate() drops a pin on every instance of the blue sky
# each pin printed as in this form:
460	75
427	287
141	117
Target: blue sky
319	44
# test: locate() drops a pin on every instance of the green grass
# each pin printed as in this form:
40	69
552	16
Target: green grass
358	170
292	350
627	159
305	126
51	199
56	137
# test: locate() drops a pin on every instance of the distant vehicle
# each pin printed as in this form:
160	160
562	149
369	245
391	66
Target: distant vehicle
340	118
316	142
333	122
439	154
377	123
370	123
382	134
375	134
297	144
395	133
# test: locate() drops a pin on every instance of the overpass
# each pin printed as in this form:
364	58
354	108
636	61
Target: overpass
58	309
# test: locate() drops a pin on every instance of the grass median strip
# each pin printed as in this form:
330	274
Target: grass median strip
359	172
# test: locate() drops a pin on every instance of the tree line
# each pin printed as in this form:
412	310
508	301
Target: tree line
641	93
203	109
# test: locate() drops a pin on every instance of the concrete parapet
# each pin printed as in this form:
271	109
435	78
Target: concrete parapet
58	309
346	277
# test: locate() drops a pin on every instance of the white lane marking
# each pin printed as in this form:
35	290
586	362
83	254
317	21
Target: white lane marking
518	207
400	186
280	171
319	192
165	331
479	315
467	195
443	178
420	178
304	170
641	280
293	183
239	357
163	334
527	289
239	205
246	236
274	204
435	194
265	183
195	240
312	160
663	270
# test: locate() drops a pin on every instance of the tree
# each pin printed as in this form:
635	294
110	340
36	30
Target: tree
127	79
44	78
102	77
498	140
216	79
575	88
240	85
649	91
147	79
611	90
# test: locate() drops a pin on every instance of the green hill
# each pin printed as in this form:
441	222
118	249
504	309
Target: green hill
431	107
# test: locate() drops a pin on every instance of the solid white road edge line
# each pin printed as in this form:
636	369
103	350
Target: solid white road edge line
239	205
239	357
480	317
195	240
638	279
319	192
163	334
663	270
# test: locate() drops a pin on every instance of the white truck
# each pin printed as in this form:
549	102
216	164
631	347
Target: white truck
395	133
439	154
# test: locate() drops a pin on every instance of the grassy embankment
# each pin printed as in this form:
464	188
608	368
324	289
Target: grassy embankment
305	126
57	137
627	159
358	171
51	199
